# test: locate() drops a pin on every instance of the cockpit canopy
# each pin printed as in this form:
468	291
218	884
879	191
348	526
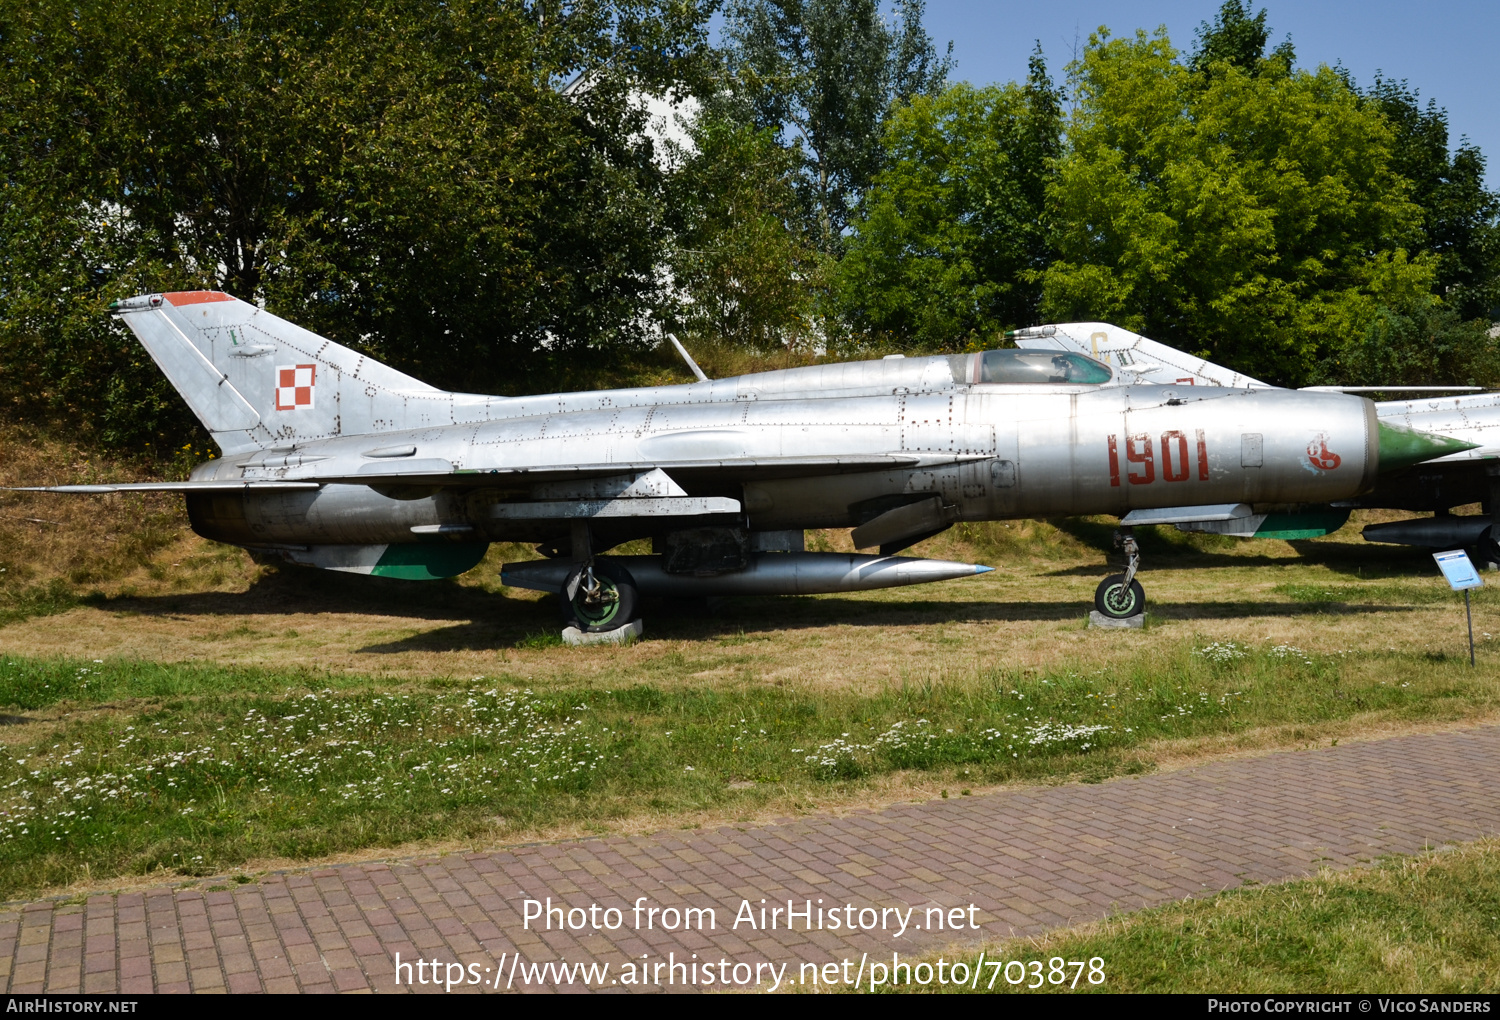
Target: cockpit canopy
1028	366
1022	366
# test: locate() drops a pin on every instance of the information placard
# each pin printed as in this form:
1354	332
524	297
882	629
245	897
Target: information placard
1458	569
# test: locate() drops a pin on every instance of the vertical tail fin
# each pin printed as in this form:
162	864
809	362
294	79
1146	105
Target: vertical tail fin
254	379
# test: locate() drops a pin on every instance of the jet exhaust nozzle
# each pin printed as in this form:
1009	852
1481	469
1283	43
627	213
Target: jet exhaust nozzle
767	574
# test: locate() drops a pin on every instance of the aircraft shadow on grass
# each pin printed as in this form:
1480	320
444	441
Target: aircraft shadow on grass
1164	549
298	590
744	616
1358	569
485	620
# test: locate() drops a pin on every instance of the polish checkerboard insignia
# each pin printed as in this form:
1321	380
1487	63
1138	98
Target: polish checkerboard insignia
294	386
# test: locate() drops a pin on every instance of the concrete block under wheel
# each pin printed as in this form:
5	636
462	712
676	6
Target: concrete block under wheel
619	636
1098	619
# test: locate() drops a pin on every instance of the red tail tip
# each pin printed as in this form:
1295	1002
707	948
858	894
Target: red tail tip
195	297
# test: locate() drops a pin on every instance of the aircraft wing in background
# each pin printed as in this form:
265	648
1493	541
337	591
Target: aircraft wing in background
1134	358
1137	359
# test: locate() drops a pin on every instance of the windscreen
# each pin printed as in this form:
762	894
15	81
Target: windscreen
1040	367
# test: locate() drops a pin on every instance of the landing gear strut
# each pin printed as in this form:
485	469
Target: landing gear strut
1120	596
598	595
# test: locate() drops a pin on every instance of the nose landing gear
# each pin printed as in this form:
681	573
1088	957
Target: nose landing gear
1120	596
598	596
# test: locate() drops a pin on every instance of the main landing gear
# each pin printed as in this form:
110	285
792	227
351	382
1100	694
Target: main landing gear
1120	596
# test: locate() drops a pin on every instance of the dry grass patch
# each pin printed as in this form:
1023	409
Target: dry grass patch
57	552
82	541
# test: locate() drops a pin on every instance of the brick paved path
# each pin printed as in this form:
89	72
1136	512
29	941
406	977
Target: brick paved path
1030	859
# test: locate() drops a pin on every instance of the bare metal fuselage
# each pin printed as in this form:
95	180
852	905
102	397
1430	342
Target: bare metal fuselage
988	451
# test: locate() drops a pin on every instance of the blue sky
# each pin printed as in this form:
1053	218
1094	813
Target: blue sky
1449	50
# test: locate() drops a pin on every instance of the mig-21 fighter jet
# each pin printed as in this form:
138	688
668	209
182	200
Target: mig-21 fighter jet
333	460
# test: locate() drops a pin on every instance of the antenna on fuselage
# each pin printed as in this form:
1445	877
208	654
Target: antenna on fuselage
691	364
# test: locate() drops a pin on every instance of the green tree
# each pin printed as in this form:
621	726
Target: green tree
949	240
1239	40
825	74
404	177
1427	343
740	263
1460	216
1255	218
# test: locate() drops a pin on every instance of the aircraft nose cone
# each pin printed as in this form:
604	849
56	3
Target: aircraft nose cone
1402	447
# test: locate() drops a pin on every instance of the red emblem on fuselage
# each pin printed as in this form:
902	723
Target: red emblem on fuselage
1320	456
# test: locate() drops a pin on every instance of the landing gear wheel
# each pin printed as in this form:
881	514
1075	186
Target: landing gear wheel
1489	549
1117	600
599	597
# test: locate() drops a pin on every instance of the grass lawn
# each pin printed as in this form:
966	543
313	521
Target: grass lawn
120	768
1427	924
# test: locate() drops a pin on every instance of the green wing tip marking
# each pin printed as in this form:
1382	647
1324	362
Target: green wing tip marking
1402	447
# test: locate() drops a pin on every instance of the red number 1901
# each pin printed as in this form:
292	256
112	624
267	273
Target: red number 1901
1140	457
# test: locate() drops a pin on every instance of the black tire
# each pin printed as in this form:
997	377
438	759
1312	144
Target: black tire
611	608
1116	601
1489	549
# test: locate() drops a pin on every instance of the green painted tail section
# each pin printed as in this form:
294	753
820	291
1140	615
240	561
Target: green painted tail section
429	561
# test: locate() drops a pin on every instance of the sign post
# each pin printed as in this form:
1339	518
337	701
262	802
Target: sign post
1461	576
